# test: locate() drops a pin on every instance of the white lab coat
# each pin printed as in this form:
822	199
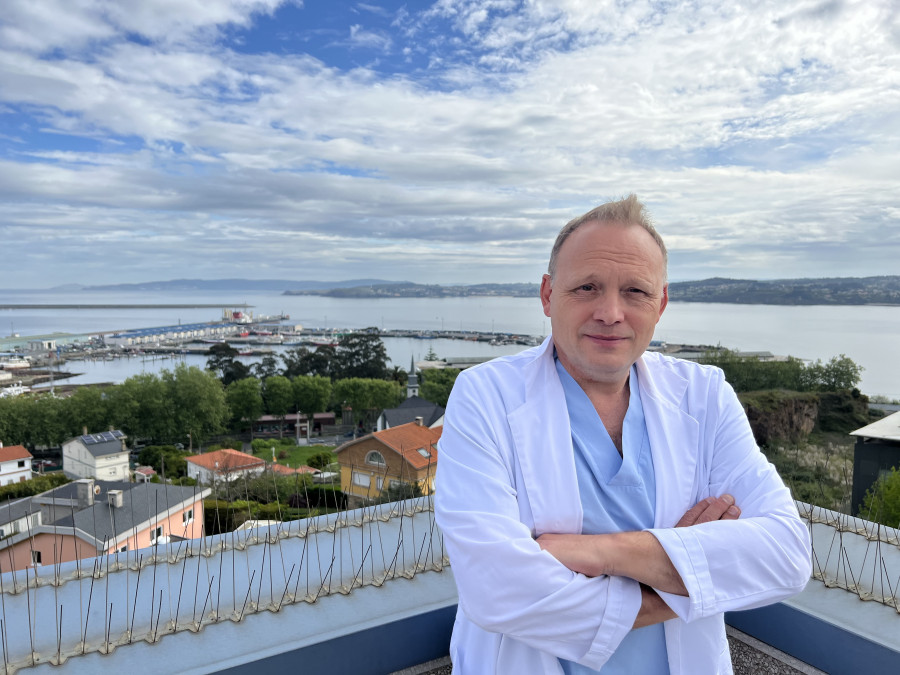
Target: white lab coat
506	474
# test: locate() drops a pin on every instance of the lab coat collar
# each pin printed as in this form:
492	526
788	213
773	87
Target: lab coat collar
543	439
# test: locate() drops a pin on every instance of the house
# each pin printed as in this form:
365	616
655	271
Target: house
388	458
410	410
223	465
87	518
15	464
877	451
144	474
102	456
283	470
294	425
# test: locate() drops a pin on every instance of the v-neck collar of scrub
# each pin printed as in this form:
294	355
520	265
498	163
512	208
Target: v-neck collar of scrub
588	430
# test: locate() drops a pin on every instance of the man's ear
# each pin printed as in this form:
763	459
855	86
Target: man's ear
664	302
546	289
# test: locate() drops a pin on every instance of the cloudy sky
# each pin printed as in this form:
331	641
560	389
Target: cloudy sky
442	141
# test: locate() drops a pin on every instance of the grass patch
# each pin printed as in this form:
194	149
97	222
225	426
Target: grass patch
297	455
817	473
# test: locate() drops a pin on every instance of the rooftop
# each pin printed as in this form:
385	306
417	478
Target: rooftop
887	429
416	444
225	461
9	453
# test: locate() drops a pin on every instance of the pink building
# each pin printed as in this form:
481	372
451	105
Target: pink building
88	518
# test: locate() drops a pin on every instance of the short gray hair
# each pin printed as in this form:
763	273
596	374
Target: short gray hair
628	211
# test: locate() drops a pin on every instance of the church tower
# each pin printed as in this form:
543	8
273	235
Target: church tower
412	384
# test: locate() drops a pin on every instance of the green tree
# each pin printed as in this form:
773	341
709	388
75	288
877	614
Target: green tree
399	375
366	396
14	427
245	401
166	460
321	460
45	419
87	407
437	383
141	407
840	373
361	355
302	361
198	401
279	398
266	368
748	373
882	502
311	395
224	363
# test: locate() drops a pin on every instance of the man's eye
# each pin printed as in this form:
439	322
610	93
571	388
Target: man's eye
585	287
636	290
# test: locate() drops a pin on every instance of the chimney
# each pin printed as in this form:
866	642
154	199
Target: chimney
1	444
84	431
420	421
114	497
84	492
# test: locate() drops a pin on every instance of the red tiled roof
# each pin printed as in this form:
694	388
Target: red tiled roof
10	452
407	440
288	471
145	470
225	461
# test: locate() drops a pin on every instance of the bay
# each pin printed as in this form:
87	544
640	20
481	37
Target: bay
867	334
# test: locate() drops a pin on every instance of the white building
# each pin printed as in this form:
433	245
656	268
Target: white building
223	465
102	456
15	464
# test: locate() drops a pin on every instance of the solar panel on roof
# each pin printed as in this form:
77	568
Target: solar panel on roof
102	437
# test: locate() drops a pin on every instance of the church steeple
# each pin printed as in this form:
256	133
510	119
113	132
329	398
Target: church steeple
412	384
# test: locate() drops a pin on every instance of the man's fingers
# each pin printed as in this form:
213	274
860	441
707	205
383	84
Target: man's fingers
710	509
694	512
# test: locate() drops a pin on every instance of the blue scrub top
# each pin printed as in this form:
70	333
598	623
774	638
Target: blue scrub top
618	494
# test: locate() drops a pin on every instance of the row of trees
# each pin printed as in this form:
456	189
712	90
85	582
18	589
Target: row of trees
357	355
749	373
180	405
186	405
189	405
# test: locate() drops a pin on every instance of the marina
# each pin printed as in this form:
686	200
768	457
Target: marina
450	327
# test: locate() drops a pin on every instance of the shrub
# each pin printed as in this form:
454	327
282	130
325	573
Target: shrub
33	486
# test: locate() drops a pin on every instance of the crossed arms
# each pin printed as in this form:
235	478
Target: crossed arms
636	555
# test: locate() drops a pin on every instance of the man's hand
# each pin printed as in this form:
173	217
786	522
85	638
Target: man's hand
710	509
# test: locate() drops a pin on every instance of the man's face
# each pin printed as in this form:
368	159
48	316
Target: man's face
605	300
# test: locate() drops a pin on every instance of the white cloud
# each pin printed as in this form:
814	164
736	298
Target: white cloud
744	128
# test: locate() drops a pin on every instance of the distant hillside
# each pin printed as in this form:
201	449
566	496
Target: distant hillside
278	285
884	290
837	291
830	291
410	290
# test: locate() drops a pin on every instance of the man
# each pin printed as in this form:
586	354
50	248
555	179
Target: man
602	506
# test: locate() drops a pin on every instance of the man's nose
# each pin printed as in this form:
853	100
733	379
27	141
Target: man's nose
608	308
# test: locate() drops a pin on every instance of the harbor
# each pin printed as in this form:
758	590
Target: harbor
454	328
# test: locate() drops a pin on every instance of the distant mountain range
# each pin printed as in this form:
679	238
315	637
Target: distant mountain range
883	290
278	285
835	291
829	291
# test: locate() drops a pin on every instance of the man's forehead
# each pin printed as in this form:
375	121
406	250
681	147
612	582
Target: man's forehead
624	242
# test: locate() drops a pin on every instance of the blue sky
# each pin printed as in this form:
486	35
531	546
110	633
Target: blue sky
442	142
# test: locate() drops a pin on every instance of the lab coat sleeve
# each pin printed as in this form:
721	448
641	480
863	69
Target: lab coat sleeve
506	583
762	557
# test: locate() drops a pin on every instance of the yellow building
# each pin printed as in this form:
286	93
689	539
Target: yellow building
384	459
